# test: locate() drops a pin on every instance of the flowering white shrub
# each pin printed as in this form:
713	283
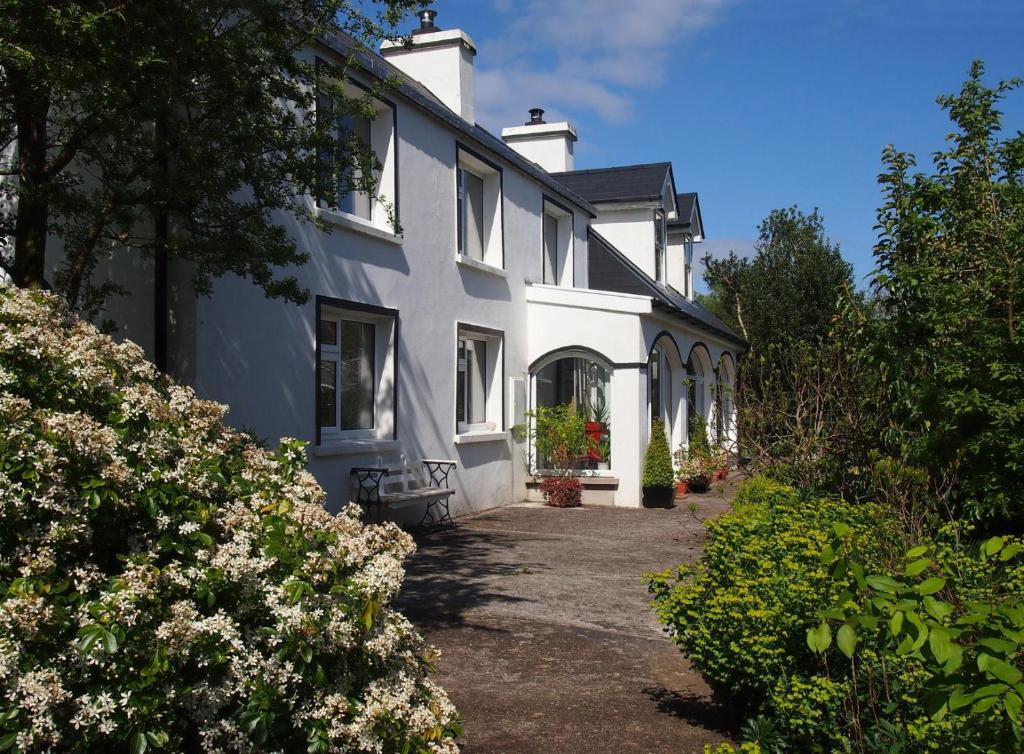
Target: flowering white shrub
166	586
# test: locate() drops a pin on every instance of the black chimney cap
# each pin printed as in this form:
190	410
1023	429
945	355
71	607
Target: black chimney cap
426	17
536	117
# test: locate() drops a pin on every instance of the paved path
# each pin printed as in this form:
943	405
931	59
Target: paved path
548	643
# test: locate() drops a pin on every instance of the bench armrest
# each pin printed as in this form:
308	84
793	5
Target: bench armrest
438	471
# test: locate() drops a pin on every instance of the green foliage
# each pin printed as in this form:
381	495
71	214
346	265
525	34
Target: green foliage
658	470
697	463
947	349
740	614
931	654
125	113
559	436
168	586
788	291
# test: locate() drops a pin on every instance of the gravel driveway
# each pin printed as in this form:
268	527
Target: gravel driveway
548	643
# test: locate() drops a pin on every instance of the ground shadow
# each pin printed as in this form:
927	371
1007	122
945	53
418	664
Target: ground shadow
457	570
696	709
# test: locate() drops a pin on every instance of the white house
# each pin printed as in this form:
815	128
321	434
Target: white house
517	281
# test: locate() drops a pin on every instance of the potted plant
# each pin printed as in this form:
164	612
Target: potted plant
659	481
597	426
699	463
604	451
560	439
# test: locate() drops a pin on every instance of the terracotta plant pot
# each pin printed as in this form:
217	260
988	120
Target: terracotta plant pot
659	497
595	431
680	488
721	474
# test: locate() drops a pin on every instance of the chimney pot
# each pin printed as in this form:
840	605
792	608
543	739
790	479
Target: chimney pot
426	22
536	116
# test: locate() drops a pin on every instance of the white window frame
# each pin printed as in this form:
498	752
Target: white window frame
385	324
382	207
493	382
490	174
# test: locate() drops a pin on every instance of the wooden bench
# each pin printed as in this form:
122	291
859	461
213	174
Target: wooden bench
400	485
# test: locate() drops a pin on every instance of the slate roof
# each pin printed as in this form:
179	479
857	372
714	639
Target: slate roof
631	183
418	94
684	208
611	270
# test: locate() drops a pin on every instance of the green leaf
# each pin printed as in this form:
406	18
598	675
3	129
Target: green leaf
992	546
1012	704
841	529
913	569
882	583
936	608
139	744
916	552
1003	646
846	639
1010	550
7	741
1000	669
896	623
930	586
940	644
820	638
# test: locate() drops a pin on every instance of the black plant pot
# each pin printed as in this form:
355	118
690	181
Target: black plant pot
659	497
699	485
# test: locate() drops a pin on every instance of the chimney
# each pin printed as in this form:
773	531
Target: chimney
547	144
440	60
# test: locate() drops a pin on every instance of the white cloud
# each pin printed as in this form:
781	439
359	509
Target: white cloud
574	58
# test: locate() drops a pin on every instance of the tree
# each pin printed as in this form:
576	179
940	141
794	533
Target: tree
163	127
789	291
947	348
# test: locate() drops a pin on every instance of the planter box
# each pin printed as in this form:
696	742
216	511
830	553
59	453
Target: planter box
597	490
659	497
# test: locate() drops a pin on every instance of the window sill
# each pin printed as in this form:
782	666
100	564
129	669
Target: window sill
479	266
467	438
358	224
353	447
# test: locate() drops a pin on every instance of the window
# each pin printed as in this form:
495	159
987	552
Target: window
471	408
556	244
550	249
576	379
471	214
654	375
337	199
478	209
478	380
660	232
355	371
688	266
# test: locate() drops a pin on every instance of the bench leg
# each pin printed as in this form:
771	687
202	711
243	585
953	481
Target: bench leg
439	517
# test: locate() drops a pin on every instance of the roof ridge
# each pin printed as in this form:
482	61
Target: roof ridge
666	165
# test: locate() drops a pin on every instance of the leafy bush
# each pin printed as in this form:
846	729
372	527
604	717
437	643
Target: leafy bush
740	614
932	657
562	491
166	585
658	460
764	491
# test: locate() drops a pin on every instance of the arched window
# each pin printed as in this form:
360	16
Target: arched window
582	381
698	381
726	402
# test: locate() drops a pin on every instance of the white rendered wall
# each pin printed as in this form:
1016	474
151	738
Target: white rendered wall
675	255
258	355
443	62
631	231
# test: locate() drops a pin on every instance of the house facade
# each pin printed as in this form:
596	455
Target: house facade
484	278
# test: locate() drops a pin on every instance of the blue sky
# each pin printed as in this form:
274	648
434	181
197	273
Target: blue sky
757	103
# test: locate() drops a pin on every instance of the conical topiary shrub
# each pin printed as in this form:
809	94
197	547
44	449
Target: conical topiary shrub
659	477
167	586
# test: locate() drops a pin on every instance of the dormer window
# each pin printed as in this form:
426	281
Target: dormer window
660	243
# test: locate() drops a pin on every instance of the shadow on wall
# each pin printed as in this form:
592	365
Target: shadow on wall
456	572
